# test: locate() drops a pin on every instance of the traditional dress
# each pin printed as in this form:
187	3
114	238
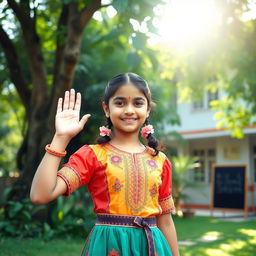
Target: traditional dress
128	190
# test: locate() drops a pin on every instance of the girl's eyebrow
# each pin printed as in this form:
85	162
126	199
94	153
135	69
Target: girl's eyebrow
124	98
119	98
140	98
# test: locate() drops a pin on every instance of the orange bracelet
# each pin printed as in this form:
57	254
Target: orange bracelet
53	152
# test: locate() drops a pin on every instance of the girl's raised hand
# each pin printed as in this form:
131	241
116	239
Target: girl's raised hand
67	121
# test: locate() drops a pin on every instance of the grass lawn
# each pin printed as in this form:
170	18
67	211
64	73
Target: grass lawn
35	246
205	237
213	236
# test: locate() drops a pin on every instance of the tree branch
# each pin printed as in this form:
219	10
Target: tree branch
60	41
14	66
21	16
105	5
77	20
33	48
88	12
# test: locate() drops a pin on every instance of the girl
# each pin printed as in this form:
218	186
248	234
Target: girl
130	183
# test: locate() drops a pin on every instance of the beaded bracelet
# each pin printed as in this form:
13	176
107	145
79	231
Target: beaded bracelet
53	152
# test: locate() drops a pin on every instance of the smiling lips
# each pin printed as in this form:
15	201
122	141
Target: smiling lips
129	120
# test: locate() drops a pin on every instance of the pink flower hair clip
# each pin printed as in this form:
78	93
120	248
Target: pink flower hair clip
146	130
104	131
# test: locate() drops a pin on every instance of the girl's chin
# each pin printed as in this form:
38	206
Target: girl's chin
129	130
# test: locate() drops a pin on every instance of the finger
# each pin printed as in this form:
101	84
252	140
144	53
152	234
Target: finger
78	102
72	99
59	105
83	121
66	100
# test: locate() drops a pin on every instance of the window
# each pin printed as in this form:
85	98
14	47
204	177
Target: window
197	105
204	103
212	96
199	174
206	158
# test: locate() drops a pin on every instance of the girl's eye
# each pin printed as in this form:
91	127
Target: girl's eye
139	103
119	103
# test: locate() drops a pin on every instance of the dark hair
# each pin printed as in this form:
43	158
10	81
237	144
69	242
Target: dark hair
114	84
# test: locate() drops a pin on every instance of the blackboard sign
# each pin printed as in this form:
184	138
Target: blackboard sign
229	187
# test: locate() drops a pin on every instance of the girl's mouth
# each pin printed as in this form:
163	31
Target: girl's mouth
129	120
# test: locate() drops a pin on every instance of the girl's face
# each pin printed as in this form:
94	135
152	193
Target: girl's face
128	109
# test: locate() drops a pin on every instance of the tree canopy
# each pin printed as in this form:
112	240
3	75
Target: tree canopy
48	45
222	58
41	42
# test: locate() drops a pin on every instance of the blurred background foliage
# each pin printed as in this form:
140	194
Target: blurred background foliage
135	36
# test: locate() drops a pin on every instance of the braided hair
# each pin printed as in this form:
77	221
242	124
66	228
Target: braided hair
152	141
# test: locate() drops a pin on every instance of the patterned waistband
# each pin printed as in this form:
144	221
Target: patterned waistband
124	220
131	221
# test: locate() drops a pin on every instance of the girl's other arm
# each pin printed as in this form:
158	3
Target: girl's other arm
46	186
166	225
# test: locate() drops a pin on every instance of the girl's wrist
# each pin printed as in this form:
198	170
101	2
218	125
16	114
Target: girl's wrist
60	142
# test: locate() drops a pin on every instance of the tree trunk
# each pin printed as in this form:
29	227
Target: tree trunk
42	105
31	152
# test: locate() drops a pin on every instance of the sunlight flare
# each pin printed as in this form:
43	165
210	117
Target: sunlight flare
184	21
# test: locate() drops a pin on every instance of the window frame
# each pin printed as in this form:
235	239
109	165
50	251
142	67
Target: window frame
204	103
207	160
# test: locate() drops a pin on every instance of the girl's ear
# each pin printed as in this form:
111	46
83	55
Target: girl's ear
105	108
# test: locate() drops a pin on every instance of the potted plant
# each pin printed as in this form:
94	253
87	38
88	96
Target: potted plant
181	181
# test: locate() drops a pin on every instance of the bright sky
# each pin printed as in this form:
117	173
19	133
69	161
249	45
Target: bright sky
180	22
183	21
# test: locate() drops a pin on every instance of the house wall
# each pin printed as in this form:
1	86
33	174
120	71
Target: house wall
228	151
198	127
233	151
194	120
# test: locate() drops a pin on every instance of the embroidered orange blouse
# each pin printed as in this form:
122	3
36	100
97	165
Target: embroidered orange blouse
120	182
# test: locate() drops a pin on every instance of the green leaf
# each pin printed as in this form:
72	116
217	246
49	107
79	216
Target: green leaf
139	41
120	5
15	209
47	227
133	60
27	215
60	215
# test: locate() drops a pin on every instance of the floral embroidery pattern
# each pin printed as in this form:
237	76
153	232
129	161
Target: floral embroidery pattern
71	178
153	191
167	205
115	159
117	186
136	177
113	253
152	163
136	182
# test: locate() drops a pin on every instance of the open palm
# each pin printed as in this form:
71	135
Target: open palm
67	121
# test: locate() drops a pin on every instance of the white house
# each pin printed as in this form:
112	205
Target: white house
213	146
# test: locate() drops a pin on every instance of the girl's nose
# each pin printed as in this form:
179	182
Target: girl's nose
129	109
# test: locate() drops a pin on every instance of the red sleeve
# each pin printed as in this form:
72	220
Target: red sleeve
81	166
165	190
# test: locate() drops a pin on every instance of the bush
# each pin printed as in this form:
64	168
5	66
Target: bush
69	217
17	219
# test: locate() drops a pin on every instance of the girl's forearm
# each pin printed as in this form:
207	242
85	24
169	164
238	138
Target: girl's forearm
45	177
166	225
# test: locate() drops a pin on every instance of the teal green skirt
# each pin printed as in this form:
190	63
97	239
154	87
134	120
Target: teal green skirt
123	241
